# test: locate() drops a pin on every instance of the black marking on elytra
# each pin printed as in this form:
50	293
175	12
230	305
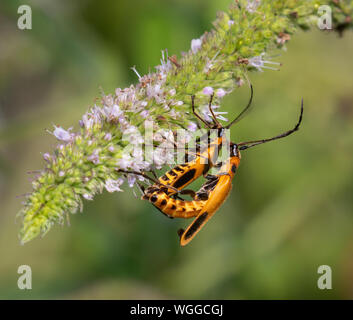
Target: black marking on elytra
234	168
154	198
172	173
196	225
163	190
184	179
152	190
165	178
178	169
173	207
202	196
164	202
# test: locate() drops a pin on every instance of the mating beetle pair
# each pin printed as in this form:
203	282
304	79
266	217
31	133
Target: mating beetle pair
164	191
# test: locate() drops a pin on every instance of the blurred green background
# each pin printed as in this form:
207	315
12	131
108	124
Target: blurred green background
291	208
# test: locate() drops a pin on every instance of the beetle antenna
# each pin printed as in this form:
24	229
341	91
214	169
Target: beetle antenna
250	144
239	117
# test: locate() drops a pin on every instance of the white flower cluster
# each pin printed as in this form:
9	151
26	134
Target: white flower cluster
123	108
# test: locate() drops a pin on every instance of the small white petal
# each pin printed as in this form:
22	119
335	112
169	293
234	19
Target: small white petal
221	118
207	91
134	69
62	134
113	185
258	62
46	156
196	45
94	157
87	121
115	112
131	179
125	162
252	5
144	114
87	196
192	126
221	93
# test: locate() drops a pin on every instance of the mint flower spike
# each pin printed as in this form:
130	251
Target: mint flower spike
85	163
